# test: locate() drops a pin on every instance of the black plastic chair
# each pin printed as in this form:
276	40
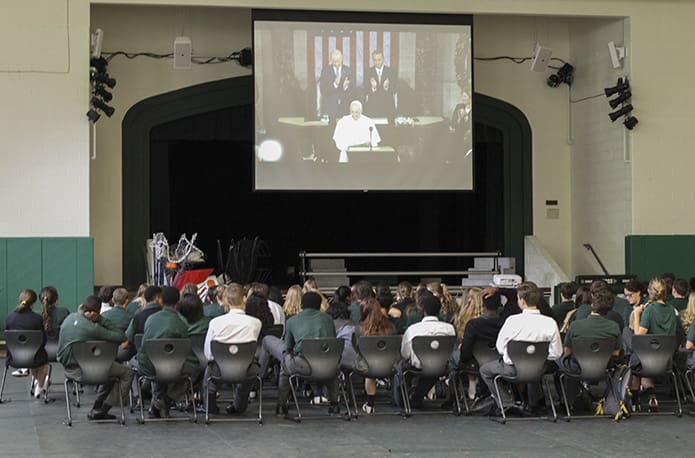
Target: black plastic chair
323	356
197	344
483	353
234	361
95	358
529	361
381	354
655	353
592	356
434	353
23	346
167	357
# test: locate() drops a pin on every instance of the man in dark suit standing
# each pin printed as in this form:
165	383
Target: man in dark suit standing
336	84
380	88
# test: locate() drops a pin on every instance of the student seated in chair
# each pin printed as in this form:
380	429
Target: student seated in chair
529	326
429	326
153	296
309	323
655	317
90	325
166	324
595	326
234	327
117	314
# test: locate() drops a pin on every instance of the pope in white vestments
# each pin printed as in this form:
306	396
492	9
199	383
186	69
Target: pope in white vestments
354	130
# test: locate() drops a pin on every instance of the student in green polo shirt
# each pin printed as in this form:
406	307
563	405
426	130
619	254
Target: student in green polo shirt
166	324
595	326
89	325
656	317
680	293
560	310
213	301
118	315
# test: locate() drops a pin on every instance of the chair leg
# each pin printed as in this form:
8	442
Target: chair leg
2	388
77	387
498	399
141	420
550	397
686	376
564	396
341	384
260	400
352	393
455	381
293	378
404	396
195	411
120	401
679	412
206	390
47	384
67	402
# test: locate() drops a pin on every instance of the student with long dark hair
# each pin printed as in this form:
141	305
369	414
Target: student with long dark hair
52	315
374	323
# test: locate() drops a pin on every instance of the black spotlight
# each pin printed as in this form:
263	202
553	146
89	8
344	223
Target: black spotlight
103	93
564	75
93	115
630	122
622	98
622	112
619	87
104	79
108	111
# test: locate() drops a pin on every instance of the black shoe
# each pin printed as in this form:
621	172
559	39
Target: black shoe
281	411
100	415
334	409
153	413
162	405
231	410
484	406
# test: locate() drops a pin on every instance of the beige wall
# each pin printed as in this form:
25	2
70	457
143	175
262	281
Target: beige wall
213	32
44	135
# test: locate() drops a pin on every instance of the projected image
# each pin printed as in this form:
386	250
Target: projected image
362	106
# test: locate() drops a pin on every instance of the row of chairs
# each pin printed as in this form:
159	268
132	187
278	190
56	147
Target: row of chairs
380	352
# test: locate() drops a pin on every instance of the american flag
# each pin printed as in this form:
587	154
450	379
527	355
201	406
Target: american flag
205	285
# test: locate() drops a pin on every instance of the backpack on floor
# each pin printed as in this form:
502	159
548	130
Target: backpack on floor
617	399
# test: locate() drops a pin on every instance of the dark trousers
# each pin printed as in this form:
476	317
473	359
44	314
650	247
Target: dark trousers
241	390
420	386
490	370
108	393
175	391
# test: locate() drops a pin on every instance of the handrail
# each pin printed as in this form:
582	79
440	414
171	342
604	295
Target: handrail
303	254
389	272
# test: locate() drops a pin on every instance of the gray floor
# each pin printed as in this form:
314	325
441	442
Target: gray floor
31	428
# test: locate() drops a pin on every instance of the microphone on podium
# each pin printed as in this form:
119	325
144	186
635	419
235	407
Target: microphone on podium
371	129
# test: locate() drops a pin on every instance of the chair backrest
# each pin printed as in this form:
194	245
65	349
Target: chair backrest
655	352
381	353
197	344
167	357
124	354
233	359
593	356
23	345
529	360
484	352
433	353
323	355
138	342
95	358
52	347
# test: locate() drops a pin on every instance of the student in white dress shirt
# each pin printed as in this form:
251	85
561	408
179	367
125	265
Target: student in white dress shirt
234	326
528	326
429	326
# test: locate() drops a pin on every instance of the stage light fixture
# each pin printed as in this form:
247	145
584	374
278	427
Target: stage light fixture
630	122
622	98
619	87
564	75
104	78
100	105
622	112
103	93
93	115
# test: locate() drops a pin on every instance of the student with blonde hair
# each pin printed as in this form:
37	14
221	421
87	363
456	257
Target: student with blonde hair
293	301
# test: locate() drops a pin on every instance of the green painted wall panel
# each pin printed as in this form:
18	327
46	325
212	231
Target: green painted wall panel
649	256
85	270
3	282
23	267
59	269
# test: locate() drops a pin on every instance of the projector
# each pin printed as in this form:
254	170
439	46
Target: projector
506	280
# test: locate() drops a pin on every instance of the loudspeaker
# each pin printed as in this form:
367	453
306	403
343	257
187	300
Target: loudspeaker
182	53
541	59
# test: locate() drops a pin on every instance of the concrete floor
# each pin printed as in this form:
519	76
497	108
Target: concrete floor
29	428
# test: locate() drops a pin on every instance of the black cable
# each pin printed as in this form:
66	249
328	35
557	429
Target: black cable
132	55
586	98
516	60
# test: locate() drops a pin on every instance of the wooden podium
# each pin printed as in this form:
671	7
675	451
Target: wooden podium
375	154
